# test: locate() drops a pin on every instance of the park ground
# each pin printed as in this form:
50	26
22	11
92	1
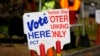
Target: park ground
14	50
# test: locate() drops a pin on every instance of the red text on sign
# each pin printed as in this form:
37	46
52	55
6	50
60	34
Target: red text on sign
56	34
59	26
58	18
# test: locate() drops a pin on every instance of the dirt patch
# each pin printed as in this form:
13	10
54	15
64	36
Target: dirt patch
14	50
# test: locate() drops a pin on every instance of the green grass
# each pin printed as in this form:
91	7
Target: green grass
92	32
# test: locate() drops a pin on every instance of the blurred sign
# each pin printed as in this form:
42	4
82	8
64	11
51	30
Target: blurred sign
98	16
46	28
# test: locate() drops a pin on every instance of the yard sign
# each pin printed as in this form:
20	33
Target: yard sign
47	28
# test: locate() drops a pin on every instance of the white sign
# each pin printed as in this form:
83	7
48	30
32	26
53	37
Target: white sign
98	16
47	27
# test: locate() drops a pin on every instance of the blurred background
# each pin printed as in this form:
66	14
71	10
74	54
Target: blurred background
13	42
